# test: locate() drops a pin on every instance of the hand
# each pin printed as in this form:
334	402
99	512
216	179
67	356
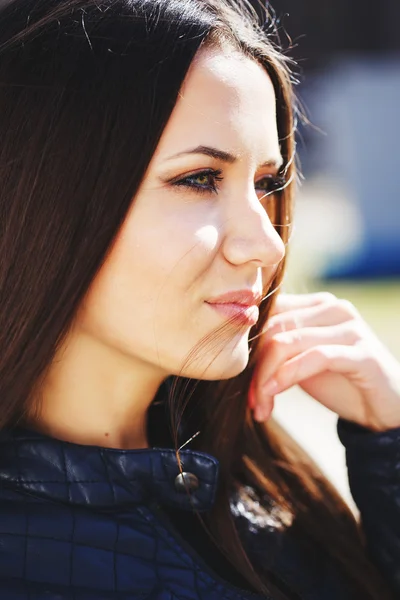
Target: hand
322	344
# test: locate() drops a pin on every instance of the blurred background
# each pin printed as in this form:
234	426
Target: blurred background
347	223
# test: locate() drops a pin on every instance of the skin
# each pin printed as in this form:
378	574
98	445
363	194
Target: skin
178	247
322	343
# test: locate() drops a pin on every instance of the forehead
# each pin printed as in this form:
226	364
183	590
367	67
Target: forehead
227	101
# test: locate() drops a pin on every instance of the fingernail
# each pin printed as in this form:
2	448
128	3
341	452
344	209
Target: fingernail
270	387
260	413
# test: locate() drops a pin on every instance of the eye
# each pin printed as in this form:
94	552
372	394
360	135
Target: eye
203	181
270	184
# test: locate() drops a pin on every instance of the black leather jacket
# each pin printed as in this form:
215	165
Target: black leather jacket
89	523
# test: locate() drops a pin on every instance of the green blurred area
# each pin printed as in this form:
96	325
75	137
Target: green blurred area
377	301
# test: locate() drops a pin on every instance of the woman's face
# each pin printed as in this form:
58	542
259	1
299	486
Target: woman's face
197	228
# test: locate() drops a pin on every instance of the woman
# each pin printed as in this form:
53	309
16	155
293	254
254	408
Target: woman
147	170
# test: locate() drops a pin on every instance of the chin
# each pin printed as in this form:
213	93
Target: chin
229	362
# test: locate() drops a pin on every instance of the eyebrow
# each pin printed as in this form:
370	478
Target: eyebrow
226	157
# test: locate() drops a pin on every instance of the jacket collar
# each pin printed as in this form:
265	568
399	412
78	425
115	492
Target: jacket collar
39	465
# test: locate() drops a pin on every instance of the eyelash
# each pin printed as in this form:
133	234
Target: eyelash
188	181
275	182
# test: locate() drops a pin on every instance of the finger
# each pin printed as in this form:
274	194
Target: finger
262	412
320	315
346	360
285	302
285	346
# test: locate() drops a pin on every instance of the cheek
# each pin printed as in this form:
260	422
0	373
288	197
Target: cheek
168	258
207	238
153	276
172	245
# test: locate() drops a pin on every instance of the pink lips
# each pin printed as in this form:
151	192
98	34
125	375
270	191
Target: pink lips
241	304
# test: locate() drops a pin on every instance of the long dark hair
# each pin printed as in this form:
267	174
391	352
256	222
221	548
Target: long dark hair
87	87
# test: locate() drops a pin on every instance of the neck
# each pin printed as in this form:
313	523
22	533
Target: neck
95	395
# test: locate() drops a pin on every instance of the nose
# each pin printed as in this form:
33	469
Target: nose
249	235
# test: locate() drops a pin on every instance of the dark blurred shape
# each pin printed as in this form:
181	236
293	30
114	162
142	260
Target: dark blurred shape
324	28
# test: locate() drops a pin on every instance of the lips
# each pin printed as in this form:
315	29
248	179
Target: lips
242	305
244	297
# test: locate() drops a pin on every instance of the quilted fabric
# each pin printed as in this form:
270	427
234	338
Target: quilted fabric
81	522
88	523
373	462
